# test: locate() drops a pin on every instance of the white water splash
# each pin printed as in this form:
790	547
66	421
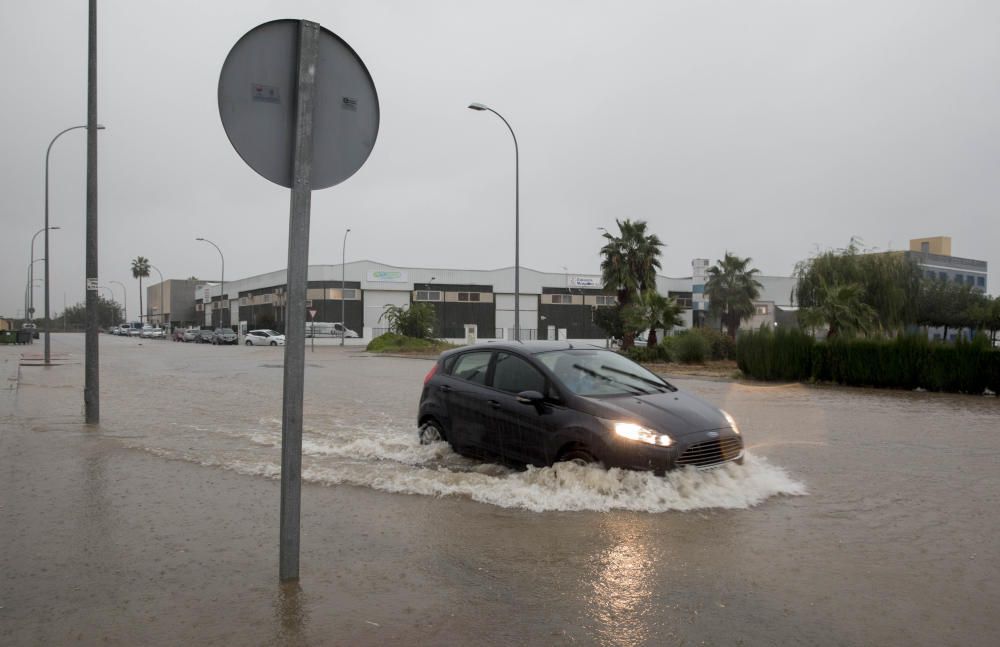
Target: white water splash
392	460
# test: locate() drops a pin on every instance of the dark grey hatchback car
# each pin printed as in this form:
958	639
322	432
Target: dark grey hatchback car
538	403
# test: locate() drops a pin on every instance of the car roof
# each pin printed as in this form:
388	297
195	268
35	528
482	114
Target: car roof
526	347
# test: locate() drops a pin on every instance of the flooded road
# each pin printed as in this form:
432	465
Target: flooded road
861	517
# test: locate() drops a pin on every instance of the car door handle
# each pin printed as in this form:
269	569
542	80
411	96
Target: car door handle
445	388
493	404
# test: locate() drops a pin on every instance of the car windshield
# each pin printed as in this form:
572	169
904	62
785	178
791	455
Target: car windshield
601	372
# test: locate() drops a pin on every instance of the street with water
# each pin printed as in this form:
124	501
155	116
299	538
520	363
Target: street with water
861	517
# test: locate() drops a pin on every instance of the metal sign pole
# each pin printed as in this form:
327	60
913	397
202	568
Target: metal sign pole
297	275
91	384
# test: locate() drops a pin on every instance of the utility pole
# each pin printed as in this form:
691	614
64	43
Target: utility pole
91	388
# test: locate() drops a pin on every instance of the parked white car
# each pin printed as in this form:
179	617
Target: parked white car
264	337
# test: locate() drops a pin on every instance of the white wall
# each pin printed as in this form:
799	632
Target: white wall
375	302
505	310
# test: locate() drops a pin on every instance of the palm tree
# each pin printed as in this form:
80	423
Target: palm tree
652	310
629	264
731	289
842	308
140	270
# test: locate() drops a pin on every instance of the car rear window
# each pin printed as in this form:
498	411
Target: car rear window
472	366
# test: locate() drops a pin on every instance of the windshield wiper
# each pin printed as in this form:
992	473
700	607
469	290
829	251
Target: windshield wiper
659	385
591	372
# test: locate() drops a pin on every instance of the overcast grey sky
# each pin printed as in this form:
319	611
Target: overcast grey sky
768	128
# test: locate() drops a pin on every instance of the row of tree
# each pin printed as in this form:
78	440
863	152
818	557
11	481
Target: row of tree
853	292
629	261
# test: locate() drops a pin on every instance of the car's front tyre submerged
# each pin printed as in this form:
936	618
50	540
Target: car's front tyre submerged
430	432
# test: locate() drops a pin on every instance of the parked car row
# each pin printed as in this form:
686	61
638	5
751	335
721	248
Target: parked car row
221	336
218	336
145	331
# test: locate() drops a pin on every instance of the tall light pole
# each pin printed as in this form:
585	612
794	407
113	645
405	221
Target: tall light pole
31	273
48	151
125	297
343	274
29	287
517	222
430	286
222	291
161	292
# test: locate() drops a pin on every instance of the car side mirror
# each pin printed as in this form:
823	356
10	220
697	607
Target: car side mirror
530	397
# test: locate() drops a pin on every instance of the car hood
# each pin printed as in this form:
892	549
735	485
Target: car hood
676	413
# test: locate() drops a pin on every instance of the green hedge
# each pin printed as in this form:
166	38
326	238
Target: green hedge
908	361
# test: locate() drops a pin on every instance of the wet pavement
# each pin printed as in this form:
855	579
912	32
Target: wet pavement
862	517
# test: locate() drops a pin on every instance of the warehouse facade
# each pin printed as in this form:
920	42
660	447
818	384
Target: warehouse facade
477	302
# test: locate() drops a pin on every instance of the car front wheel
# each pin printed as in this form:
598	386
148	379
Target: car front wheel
274	343
578	456
430	432
249	343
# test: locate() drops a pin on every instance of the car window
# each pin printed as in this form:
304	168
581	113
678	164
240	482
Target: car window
600	372
472	366
513	374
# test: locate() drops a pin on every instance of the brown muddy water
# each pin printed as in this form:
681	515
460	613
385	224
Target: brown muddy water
861	517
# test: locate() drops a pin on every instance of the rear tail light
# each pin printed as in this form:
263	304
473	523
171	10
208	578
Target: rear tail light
430	373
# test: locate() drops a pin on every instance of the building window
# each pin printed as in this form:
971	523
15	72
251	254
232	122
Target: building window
981	281
959	279
943	276
266	298
244	301
761	310
562	299
427	295
468	296
925	247
349	293
606	300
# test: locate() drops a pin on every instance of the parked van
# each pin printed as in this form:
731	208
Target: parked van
325	329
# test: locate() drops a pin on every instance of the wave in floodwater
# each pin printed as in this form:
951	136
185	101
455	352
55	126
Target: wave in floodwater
392	460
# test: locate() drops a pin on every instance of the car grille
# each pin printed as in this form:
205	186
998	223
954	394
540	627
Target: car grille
712	452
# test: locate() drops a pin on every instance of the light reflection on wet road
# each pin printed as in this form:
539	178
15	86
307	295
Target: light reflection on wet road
895	542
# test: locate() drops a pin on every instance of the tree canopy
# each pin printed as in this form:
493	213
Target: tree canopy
731	290
888	283
629	264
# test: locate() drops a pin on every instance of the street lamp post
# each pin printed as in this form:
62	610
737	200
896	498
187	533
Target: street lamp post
125	297
517	222
46	230
31	273
161	292
29	287
222	290
430	286
343	274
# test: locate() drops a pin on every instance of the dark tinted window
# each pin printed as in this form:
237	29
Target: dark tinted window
472	366
514	375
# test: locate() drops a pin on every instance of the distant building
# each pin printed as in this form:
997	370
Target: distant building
178	302
933	257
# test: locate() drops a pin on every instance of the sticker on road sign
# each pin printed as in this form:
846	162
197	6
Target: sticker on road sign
312	313
91	284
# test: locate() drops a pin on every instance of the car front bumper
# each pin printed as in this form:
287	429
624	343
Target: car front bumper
702	450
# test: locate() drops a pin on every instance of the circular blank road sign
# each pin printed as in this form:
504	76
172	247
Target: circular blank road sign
257	95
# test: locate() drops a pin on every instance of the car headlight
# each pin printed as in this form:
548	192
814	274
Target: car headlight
732	421
633	431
